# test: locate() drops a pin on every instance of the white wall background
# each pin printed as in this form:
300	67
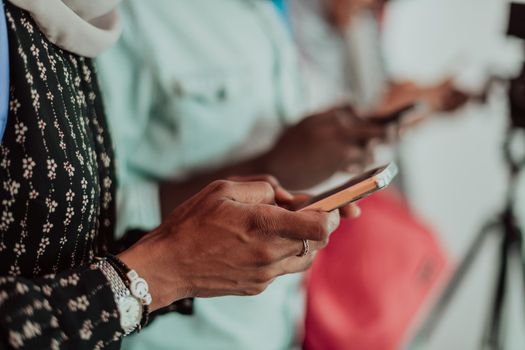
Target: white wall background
453	164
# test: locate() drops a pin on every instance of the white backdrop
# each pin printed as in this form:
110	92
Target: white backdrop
453	164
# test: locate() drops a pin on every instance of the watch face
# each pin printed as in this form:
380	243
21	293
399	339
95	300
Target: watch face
139	288
130	312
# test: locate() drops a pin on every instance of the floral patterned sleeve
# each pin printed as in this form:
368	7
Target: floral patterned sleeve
71	310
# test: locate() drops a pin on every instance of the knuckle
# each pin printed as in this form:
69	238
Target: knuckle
216	208
220	186
263	257
256	289
321	232
267	187
271	179
268	178
264	276
247	224
260	223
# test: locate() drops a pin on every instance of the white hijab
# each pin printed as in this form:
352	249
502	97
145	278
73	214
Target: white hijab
84	27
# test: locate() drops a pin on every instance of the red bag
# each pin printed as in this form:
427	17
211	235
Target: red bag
365	289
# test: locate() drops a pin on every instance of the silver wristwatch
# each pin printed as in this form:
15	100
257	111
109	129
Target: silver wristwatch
129	306
139	287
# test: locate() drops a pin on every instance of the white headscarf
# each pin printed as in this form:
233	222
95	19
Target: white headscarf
84	27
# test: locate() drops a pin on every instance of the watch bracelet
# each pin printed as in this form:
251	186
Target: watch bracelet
116	283
122	269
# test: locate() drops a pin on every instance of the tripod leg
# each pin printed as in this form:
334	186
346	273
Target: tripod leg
521	253
493	339
516	272
448	294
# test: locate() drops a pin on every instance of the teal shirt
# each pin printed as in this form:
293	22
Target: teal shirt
193	85
282	6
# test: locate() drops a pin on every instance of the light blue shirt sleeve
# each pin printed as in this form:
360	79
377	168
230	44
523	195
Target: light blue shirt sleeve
130	91
4	71
282	6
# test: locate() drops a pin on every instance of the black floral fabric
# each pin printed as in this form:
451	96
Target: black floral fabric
56	200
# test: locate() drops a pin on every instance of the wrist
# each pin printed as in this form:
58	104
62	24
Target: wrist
131	311
148	260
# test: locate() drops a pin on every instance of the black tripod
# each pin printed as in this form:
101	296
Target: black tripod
506	226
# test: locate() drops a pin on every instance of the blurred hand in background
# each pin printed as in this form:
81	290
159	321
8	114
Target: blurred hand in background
341	12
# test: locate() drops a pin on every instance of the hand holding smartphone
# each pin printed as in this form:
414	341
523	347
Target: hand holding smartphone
395	117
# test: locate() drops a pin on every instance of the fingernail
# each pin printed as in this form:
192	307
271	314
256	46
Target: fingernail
356	212
333	222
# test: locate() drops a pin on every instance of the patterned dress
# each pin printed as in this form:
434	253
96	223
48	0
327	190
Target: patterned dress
56	200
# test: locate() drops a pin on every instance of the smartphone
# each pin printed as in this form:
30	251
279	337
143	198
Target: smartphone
357	188
394	117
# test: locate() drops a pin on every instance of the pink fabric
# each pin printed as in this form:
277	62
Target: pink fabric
366	288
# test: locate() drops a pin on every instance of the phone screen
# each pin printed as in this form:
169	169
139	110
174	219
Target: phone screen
353	181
